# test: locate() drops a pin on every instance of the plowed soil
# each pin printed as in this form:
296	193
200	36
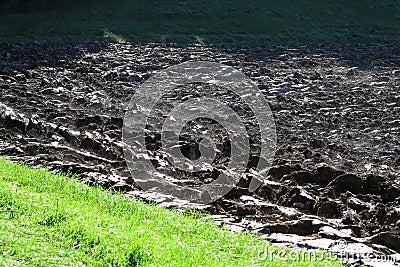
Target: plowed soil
336	173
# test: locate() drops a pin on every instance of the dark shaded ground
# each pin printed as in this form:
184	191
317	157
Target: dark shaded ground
203	22
337	114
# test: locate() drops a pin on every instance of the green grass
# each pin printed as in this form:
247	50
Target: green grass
212	22
53	220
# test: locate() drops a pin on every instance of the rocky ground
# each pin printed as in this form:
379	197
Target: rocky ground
335	180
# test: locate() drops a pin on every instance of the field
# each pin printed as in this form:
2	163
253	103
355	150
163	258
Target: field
203	22
328	71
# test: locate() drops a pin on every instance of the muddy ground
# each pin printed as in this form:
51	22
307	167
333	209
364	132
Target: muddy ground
335	180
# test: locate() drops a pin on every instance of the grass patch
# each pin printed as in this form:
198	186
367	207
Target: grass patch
218	22
53	220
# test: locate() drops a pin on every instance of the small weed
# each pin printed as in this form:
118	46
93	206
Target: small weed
109	35
199	40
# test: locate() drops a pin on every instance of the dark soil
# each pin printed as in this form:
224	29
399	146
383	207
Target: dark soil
336	173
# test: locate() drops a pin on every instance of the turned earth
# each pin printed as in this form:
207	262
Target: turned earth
336	173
